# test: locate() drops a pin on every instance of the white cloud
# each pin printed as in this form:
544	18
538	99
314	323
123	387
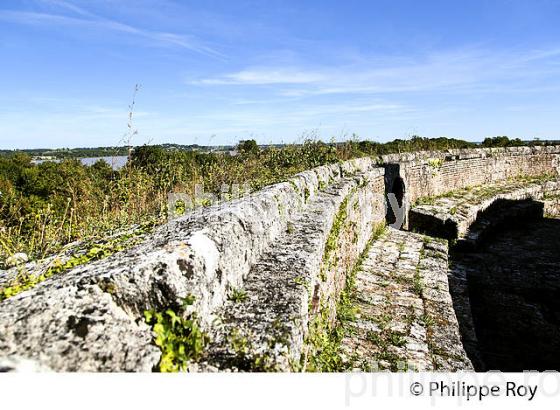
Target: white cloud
463	70
87	20
265	77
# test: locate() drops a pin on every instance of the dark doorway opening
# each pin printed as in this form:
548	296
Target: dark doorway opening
397	188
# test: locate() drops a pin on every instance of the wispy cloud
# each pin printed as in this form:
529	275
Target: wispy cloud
82	18
68	6
461	70
260	76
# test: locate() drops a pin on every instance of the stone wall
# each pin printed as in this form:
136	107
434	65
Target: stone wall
434	173
506	295
467	215
91	318
264	273
291	293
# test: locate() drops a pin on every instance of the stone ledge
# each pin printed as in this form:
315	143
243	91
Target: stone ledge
467	153
452	215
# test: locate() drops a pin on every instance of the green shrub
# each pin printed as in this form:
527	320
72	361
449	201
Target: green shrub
178	336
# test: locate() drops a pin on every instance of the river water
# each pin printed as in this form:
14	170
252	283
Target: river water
116	162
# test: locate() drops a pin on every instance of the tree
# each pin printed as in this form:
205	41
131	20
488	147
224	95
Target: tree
248	147
150	158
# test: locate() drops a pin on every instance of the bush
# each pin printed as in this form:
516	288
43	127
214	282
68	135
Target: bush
43	207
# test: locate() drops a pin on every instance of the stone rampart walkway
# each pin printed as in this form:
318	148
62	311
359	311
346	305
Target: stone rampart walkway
405	318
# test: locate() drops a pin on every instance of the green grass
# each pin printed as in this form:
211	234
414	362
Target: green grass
418	284
324	339
238	295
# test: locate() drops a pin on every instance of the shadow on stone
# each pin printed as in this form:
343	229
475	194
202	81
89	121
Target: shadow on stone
506	294
501	212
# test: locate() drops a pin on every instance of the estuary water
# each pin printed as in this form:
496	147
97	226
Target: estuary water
116	162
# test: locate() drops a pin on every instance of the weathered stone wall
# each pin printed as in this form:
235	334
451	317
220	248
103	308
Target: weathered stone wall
92	317
286	249
467	215
294	289
434	173
551	201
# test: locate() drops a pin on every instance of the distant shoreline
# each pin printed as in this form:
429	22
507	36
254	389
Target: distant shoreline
63	153
52	154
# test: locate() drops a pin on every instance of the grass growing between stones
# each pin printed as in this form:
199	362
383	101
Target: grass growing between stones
435	163
244	356
417	283
332	240
238	295
324	339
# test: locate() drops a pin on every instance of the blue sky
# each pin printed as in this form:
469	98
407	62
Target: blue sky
215	72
